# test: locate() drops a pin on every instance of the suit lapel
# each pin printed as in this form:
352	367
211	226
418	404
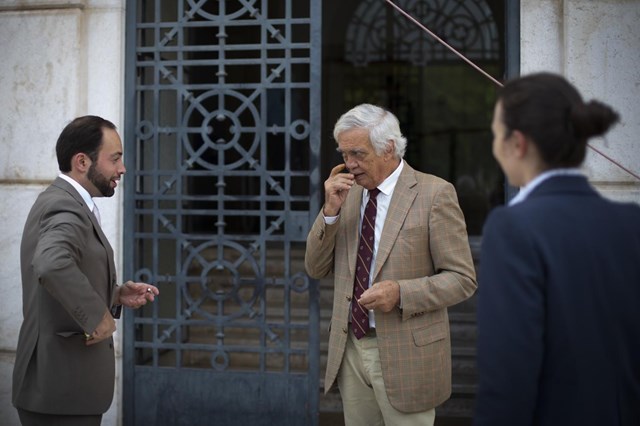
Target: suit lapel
352	215
107	246
66	186
403	196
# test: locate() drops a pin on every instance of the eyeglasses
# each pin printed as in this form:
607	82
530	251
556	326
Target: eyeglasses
355	154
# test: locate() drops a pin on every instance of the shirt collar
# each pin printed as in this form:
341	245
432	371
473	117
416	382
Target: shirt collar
528	188
83	192
388	185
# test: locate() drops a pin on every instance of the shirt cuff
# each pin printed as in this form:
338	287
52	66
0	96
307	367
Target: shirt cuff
330	220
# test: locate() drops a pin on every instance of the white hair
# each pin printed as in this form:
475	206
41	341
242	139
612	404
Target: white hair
383	127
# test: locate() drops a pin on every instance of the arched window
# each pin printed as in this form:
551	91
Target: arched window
466	25
372	53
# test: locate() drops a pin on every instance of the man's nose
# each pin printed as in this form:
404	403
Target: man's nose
350	162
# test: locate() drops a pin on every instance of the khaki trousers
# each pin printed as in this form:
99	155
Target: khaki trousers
364	397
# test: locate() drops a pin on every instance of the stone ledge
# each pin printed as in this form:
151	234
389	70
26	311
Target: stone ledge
31	5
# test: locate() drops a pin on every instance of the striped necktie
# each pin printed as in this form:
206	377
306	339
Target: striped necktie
360	315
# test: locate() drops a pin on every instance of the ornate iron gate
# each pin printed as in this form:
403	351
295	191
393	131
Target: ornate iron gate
221	144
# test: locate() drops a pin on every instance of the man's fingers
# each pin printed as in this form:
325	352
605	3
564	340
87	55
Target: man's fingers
337	169
366	300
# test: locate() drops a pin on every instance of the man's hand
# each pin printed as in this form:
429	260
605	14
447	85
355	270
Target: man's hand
133	295
384	295
105	329
336	188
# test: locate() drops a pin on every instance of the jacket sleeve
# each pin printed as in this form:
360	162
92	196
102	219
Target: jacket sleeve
454	279
56	261
319	253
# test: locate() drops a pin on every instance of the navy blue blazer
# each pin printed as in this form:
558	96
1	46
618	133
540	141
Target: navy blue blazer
559	310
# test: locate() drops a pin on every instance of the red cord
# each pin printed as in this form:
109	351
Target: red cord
467	60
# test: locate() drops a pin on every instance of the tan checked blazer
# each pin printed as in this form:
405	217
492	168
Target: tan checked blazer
424	247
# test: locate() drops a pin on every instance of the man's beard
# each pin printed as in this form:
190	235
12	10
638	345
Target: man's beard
100	182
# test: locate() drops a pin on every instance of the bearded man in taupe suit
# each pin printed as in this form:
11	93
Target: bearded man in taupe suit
400	370
65	366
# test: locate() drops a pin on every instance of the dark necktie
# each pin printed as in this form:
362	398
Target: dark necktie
360	315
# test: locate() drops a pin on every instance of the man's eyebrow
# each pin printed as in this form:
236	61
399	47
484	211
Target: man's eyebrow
351	150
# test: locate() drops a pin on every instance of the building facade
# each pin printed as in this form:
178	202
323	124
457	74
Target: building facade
65	58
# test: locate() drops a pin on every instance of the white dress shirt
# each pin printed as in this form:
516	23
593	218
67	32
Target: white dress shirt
384	198
83	193
528	188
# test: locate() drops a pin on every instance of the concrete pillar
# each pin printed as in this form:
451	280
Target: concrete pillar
595	45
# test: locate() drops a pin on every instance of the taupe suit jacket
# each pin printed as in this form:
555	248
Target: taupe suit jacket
424	246
68	279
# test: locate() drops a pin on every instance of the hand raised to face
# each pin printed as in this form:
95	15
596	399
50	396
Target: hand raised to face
336	188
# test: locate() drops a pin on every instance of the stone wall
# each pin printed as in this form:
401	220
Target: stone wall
596	45
60	59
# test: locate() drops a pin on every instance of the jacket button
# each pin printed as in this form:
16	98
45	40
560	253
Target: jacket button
345	330
349	298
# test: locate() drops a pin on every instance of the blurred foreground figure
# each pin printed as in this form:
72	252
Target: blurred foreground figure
559	284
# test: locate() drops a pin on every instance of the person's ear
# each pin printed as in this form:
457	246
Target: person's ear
81	162
520	143
388	150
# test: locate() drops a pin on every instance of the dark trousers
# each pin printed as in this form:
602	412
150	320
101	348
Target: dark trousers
29	418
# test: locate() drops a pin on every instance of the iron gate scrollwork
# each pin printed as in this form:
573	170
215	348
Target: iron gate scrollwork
221	144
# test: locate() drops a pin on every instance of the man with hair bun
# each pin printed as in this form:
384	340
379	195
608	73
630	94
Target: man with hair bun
559	282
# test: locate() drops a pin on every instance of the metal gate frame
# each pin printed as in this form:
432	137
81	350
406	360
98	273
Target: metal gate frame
155	393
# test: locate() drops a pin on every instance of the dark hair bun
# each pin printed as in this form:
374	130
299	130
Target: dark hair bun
592	119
